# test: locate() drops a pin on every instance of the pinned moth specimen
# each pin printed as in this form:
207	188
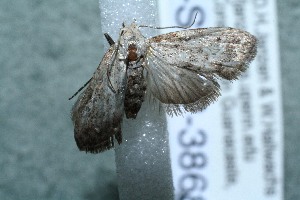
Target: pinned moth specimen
180	69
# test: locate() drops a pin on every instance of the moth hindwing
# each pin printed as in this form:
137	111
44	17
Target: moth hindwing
180	69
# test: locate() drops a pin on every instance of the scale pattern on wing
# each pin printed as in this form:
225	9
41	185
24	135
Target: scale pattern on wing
98	112
176	85
183	66
225	52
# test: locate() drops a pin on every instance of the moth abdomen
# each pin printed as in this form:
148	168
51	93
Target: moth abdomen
135	91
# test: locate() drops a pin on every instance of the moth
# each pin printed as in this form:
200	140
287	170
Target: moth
180	69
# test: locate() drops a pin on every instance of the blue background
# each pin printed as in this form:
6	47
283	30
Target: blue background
48	50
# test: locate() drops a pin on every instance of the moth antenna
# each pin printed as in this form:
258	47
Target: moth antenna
80	89
109	39
110	42
184	27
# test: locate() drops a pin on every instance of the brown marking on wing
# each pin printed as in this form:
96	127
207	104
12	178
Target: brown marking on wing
157	39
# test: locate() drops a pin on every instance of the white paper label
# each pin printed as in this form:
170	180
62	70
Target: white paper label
233	150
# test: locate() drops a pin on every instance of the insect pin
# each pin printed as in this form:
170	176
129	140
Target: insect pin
180	69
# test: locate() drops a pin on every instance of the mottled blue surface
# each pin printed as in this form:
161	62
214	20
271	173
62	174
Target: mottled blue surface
48	50
289	32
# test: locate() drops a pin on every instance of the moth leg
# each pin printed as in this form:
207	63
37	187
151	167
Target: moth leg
139	59
110	42
136	66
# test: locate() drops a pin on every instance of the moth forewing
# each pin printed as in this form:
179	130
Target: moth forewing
222	51
98	112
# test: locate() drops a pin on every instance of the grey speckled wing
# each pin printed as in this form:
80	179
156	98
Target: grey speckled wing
98	112
183	66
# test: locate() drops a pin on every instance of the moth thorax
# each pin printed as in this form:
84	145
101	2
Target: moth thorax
135	91
132	55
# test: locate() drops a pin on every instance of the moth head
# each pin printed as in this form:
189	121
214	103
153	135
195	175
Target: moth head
130	34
